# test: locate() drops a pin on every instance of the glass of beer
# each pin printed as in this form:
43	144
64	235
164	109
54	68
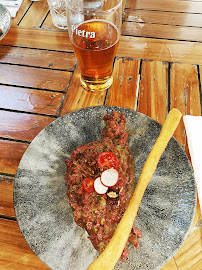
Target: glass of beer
94	29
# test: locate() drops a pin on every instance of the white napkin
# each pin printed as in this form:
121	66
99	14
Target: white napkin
12	6
193	126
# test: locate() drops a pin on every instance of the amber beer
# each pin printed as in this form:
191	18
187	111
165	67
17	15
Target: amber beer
95	44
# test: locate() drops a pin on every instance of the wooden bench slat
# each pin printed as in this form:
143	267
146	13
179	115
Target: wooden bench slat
123	90
26	4
11	154
33	77
153	90
38	38
184	94
37	58
22	126
48	23
6	198
160	50
15	253
30	19
171	5
30	100
161	17
162	31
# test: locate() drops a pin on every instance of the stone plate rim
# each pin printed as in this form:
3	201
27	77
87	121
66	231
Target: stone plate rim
6	27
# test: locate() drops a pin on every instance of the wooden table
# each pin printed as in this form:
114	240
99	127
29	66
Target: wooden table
158	67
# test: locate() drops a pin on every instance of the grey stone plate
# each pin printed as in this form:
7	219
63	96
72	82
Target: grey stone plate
5	21
44	215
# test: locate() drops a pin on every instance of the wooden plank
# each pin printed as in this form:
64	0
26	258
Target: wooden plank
15	253
30	100
161	17
37	58
35	15
191	0
26	4
77	97
33	77
137	47
160	50
153	90
184	94
11	154
162	31
48	23
6	198
125	80
171	5
38	38
22	126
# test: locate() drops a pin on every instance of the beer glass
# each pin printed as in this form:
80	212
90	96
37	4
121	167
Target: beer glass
94	28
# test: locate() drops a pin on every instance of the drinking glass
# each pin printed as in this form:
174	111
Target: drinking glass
94	28
58	13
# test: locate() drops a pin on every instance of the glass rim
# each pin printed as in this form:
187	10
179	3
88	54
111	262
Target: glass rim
69	7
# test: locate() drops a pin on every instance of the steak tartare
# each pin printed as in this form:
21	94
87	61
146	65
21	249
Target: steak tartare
100	212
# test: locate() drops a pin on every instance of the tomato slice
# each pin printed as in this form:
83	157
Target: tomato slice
88	185
107	160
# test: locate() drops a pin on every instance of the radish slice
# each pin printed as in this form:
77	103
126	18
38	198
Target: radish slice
99	187
109	178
